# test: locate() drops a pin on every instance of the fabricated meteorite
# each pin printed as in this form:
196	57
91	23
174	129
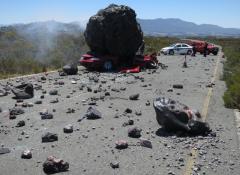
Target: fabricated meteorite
114	31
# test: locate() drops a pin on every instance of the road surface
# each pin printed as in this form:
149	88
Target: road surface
91	147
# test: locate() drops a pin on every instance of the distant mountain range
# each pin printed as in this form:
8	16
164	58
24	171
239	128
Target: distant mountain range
155	27
178	27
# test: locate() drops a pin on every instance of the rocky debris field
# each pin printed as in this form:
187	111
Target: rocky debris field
105	123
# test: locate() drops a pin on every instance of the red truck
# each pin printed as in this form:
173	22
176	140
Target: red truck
199	45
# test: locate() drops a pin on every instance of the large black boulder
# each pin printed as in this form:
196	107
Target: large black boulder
114	31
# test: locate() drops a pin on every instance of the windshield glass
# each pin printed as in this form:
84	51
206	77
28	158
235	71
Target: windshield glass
172	45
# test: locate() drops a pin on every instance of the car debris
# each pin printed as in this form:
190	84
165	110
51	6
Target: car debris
175	116
53	165
23	91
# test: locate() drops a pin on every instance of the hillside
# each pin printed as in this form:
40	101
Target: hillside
178	27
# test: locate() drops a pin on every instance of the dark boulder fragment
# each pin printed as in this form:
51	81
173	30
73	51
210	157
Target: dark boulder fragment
21	123
27	154
178	86
3	93
49	137
121	144
93	113
70	69
68	128
134	132
114	31
53	92
24	91
134	97
114	165
175	116
53	165
4	150
16	111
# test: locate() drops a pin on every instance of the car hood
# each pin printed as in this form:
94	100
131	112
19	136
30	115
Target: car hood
167	48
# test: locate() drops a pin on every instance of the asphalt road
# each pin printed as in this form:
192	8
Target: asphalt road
91	147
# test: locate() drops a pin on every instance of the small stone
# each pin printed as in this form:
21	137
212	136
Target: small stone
121	144
46	115
134	97
49	137
38	102
128	110
27	154
134	132
68	128
53	165
93	113
21	123
145	143
114	165
178	86
53	92
107	93
4	150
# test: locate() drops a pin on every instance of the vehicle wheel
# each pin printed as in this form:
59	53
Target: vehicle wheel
215	53
107	66
171	52
152	65
189	52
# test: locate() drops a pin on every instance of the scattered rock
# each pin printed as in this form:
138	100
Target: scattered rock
121	144
93	113
145	143
178	86
53	92
38	102
4	150
49	137
46	115
21	123
134	97
16	111
70	69
128	110
53	165
114	165
23	91
134	132
129	122
27	154
68	128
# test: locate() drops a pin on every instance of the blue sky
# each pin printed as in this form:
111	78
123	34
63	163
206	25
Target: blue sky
225	13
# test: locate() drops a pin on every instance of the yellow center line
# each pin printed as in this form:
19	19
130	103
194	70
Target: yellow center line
194	152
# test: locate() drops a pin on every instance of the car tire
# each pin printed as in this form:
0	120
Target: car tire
189	52
108	66
152	65
171	52
215	53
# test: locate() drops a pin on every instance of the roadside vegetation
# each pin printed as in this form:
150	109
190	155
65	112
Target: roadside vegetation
20	55
231	49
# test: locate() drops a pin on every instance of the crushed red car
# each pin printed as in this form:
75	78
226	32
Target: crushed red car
199	45
109	63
